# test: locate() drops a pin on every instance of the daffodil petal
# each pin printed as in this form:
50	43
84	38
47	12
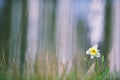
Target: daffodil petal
98	50
96	45
98	54
87	52
92	57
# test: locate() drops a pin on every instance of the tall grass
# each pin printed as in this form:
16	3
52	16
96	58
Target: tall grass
46	68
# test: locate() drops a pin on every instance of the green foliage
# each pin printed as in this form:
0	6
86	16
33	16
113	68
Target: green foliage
2	76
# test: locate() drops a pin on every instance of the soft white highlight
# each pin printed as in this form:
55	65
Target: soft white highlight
32	34
96	20
114	56
65	35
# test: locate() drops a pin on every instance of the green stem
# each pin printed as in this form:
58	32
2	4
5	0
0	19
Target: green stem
97	66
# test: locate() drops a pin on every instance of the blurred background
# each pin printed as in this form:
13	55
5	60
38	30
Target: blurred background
52	33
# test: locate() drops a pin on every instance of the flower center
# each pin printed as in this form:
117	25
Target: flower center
93	51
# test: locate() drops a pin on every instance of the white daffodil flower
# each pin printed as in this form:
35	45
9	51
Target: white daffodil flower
93	51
